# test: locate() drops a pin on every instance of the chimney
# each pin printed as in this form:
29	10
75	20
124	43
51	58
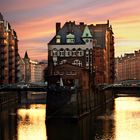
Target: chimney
108	22
58	27
81	23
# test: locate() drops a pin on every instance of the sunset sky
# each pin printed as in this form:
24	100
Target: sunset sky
34	21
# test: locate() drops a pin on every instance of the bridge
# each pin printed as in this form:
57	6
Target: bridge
122	89
22	93
24	87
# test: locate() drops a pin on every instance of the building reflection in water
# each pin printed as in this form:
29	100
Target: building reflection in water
88	128
31	123
8	125
28	123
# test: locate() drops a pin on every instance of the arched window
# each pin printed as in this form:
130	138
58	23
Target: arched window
67	52
70	38
87	51
79	52
77	63
73	52
61	52
58	39
54	52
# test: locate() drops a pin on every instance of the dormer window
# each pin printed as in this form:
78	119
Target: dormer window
58	39
70	38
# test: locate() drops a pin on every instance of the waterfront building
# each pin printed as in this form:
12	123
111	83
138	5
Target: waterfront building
9	59
31	71
90	47
127	66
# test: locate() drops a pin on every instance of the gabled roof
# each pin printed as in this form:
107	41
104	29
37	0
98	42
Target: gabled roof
87	33
80	31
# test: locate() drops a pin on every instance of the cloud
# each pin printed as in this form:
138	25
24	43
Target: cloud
34	21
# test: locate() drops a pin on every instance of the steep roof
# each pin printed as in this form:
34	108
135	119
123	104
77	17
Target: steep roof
26	55
69	28
79	31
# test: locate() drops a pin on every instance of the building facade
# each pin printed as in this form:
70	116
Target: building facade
90	47
127	67
9	59
31	71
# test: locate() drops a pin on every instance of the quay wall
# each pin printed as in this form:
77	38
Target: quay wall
83	102
7	100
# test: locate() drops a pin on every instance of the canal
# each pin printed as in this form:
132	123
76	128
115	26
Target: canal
28	123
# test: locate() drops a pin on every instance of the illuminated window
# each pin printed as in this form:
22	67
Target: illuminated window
77	63
70	38
58	39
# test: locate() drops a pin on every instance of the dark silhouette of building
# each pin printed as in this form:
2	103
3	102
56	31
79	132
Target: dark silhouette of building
27	67
9	56
90	47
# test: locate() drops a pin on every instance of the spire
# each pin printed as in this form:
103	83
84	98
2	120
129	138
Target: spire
1	17
26	55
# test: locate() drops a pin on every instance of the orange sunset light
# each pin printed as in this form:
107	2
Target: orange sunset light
35	22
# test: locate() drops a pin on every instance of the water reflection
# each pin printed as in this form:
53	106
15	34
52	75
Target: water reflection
127	116
28	123
90	128
8	124
31	123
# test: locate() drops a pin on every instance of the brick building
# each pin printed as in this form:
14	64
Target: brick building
9	57
127	67
90	47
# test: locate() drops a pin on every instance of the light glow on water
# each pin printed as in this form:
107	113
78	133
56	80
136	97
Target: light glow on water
127	118
31	123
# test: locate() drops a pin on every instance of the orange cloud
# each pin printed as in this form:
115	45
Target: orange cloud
35	21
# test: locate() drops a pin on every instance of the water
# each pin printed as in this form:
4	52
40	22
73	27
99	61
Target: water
28	123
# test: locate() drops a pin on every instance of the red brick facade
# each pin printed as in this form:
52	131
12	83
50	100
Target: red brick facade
128	67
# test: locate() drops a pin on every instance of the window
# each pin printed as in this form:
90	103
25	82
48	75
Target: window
54	52
77	63
87	59
67	52
70	38
73	52
79	52
61	52
58	39
87	51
